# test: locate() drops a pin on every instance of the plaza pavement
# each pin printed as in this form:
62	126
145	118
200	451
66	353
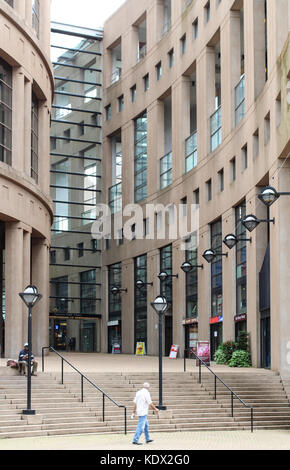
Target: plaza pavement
213	440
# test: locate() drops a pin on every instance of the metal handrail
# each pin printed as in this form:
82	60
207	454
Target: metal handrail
105	395
233	394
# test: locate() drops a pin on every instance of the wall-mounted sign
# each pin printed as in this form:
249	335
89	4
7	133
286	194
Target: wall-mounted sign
241	317
113	323
216	319
189	321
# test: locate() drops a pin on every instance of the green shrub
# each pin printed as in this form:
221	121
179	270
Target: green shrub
228	348
240	358
243	341
220	357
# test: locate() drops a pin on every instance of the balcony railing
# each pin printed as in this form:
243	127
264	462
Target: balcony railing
240	100
216	129
191	152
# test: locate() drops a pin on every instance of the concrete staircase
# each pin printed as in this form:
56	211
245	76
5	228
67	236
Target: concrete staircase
190	406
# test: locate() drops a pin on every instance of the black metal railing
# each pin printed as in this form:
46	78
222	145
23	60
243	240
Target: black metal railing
105	395
233	394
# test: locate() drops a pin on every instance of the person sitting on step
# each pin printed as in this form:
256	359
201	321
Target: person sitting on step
23	361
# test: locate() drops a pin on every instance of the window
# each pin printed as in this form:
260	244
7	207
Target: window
35	16
81	128
216	270
158	68
256	144
140	298
52	256
121	103
88	292
233	169
90	191
183	44
80	247
171	58
240	100
5	113
94	245
61	218
221	180
66	254
133	93
34	138
209	190
191	256
108	110
166	266
146	82
191	152
207	12
241	261
60	287
245	156
215	129
196	197
195	28
267	129
115	198
140	151
166	170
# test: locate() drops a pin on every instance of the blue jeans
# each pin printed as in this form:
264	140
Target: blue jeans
142	426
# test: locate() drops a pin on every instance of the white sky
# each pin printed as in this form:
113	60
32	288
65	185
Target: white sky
86	13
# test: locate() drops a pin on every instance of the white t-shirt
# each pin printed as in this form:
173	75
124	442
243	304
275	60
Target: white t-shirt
142	400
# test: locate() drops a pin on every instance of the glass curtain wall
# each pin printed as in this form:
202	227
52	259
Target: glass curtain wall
216	321
241	271
141	157
166	291
76	154
140	269
115	307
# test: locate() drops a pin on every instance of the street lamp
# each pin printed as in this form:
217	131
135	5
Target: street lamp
30	297
160	306
187	266
269	195
116	290
231	240
210	254
140	284
251	222
163	276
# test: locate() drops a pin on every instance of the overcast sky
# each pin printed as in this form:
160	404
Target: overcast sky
87	13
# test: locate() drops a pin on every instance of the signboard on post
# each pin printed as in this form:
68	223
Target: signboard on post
203	351
174	351
116	348
140	349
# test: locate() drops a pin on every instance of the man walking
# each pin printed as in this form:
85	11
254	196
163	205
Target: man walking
142	401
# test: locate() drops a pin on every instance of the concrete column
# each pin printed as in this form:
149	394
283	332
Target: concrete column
133	38
155	16
19	6
13	285
205	99
26	276
28	12
204	287
40	278
230	68
128	346
180	123
128	179
255	256
178	292
18	119
229	279
44	26
152	292
280	275
27	127
43	147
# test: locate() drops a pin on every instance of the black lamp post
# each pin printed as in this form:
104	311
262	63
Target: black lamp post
163	276
232	240
251	222
269	195
116	290
210	254
160	306
187	266
30	297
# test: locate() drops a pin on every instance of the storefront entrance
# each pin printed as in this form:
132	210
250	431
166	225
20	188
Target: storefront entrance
74	335
265	342
216	338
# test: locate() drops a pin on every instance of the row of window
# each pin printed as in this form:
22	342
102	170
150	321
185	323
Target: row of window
80	251
6	90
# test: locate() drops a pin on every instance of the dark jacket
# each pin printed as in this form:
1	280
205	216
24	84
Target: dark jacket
22	354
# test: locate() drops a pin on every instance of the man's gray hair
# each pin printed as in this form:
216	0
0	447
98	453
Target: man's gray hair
146	385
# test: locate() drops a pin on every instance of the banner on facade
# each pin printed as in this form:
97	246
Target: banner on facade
173	351
116	348
140	349
203	351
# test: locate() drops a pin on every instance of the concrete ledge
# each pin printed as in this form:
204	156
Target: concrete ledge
8	371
